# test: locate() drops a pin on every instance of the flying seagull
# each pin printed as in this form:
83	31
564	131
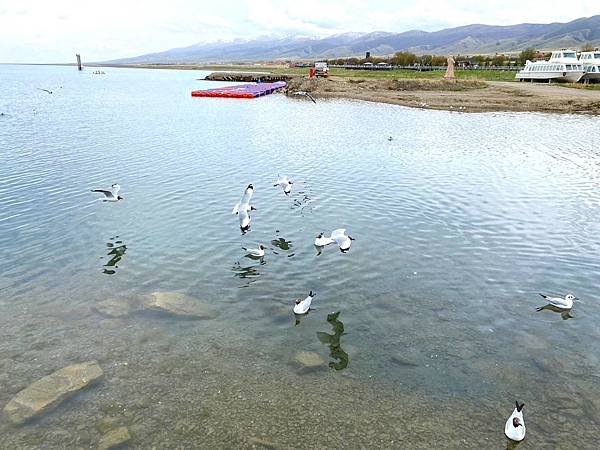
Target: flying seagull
112	194
243	208
342	239
45	90
285	183
305	94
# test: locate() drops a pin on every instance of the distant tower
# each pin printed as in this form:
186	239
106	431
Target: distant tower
367	55
78	61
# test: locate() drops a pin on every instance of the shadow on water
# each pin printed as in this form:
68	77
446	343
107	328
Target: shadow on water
333	341
116	251
564	313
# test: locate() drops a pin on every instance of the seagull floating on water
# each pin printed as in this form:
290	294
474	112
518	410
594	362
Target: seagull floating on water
305	94
321	240
558	302
285	183
514	428
303	306
112	194
342	239
243	208
256	252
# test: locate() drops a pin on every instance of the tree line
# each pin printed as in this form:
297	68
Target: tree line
411	59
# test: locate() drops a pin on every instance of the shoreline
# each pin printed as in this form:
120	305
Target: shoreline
415	90
458	95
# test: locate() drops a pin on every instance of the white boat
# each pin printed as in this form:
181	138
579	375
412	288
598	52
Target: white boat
562	66
591	65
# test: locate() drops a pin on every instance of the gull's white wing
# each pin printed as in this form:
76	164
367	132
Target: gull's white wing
283	181
115	188
340	233
236	209
247	196
558	302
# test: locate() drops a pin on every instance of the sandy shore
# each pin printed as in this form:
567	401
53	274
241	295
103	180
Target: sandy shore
461	95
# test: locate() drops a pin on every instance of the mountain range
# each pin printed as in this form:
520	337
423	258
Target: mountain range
469	39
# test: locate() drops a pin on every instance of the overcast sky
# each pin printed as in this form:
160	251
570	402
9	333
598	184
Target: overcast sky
54	30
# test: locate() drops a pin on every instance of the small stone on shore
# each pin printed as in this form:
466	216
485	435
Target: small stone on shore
50	390
261	443
114	438
179	304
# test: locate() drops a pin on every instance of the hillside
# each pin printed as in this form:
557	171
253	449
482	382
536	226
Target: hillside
467	39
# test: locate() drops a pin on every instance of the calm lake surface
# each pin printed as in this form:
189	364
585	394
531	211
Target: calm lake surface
459	222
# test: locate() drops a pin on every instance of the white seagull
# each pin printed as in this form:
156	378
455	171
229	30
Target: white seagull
256	252
112	194
243	208
285	183
514	428
557	302
322	241
303	306
305	94
342	239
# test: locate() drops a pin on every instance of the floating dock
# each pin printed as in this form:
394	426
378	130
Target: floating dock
241	91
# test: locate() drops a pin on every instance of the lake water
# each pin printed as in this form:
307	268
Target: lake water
459	222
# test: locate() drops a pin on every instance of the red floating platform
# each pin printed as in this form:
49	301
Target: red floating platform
241	90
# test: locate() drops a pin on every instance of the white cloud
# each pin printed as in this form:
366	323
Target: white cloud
34	31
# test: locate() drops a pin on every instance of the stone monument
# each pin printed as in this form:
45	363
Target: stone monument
450	70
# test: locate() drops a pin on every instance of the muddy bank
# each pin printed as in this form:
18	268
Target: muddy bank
459	95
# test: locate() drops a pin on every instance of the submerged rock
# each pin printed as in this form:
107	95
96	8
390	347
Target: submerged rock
179	304
308	360
114	438
113	307
50	390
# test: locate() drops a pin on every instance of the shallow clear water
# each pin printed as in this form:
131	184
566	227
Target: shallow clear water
459	222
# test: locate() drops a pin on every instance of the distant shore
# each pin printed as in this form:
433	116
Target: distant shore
472	91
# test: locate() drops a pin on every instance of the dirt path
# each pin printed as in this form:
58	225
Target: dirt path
462	96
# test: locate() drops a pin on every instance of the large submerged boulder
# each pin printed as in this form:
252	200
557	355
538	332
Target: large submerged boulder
179	304
50	390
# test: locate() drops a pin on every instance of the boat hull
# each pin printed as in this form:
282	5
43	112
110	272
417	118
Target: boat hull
568	76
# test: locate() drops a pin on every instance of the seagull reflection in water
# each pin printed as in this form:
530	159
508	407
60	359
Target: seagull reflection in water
564	313
117	250
282	244
249	273
333	340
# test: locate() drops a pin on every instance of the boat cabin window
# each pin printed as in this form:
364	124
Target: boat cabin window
569	55
597	55
568	66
